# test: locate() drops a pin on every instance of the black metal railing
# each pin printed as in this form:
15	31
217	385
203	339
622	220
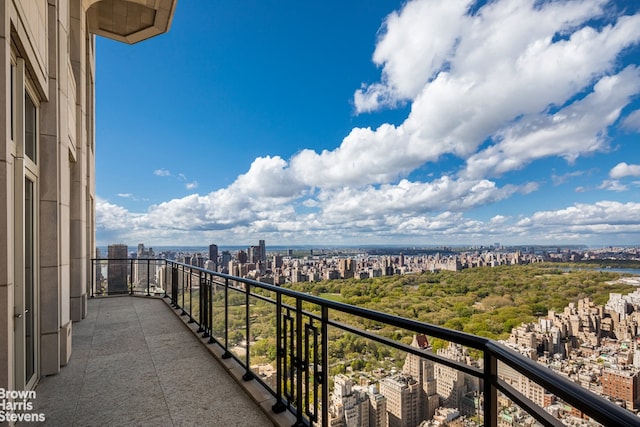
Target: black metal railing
121	276
297	338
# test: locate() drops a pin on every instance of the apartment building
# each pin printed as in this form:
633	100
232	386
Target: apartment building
47	173
623	385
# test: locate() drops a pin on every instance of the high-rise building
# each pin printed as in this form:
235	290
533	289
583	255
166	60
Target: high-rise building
144	271
213	255
452	384
346	266
277	262
402	394
198	261
254	255
118	269
422	370
623	385
225	260
263	251
349	407
377	408
47	170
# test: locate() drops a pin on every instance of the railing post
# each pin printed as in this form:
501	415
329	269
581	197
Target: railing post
93	275
324	377
299	365
165	277
184	271
131	279
226	354
279	406
190	282
174	285
205	320
211	292
247	375
490	391
148	277
201	302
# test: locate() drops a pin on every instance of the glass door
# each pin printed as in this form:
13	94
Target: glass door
26	203
29	282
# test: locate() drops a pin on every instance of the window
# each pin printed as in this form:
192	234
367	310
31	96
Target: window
30	128
12	101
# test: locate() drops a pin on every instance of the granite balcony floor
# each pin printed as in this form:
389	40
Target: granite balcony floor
134	362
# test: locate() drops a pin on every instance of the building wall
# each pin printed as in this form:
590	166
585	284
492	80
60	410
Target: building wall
47	50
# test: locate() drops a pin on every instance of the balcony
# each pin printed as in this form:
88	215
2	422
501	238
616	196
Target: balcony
288	347
135	363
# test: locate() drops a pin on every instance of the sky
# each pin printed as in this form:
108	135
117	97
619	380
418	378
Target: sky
335	123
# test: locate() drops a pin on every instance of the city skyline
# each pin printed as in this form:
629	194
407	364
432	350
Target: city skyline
516	122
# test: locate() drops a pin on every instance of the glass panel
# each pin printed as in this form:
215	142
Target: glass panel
13	104
29	280
30	128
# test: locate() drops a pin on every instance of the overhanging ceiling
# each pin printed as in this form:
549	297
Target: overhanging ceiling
130	21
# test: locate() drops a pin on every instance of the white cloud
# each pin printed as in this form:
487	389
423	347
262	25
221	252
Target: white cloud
176	222
409	198
597	216
191	185
113	217
496	88
632	122
623	169
570	132
612	185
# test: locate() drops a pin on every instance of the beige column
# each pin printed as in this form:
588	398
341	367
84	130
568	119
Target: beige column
55	344
50	275
6	208
78	211
90	208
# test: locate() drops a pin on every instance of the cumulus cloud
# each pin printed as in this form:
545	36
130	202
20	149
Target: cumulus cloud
597	216
623	169
175	222
632	122
110	216
569	133
496	88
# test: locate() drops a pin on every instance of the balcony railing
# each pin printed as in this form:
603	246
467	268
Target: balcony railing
294	343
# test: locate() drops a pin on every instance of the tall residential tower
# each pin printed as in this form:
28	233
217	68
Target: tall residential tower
47	169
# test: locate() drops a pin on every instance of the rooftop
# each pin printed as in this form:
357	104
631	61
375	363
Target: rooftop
134	362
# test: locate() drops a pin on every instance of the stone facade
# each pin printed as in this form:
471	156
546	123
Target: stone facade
47	172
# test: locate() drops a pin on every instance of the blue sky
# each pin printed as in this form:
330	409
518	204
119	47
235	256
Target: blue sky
337	123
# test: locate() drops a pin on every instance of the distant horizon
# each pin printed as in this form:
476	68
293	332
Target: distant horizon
366	246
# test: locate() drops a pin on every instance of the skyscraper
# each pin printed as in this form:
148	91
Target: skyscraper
117	270
213	255
263	251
